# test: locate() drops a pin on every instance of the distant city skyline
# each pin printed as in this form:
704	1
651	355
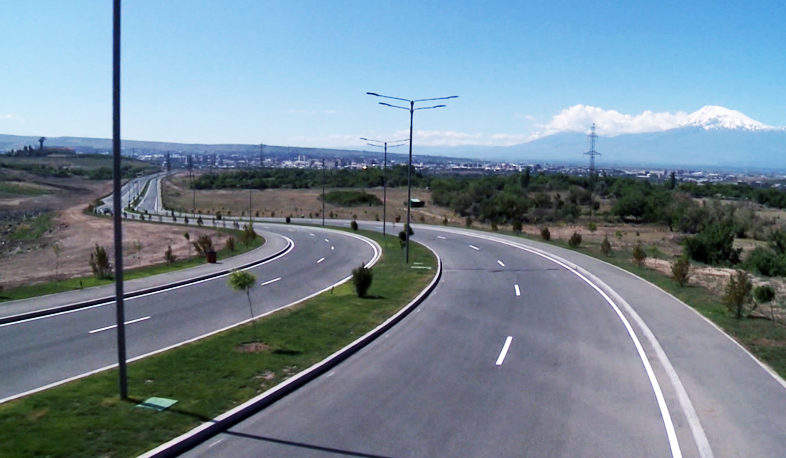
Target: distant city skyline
296	73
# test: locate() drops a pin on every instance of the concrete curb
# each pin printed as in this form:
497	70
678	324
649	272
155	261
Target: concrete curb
228	419
154	289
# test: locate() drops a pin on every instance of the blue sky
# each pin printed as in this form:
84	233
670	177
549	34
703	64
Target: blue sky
296	72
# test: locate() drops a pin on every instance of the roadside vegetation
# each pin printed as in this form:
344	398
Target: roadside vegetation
208	377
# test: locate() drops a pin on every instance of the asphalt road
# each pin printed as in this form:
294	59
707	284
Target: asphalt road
512	355
39	352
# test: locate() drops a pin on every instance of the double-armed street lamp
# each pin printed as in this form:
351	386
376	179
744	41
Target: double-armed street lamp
412	111
384	175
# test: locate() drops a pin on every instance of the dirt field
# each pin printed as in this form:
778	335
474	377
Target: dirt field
33	261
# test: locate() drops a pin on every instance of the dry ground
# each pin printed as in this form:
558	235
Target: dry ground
33	261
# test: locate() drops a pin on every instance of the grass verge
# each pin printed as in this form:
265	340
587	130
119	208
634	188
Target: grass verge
35	228
70	284
209	377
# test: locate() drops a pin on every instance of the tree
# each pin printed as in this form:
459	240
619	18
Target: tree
468	222
138	248
444	220
525	178
249	234
200	221
230	244
169	256
56	249
361	279
672	181
605	246
241	280
639	255
41	143
517	227
99	263
680	271
738	293
188	242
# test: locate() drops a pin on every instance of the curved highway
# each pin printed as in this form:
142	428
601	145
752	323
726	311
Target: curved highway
39	352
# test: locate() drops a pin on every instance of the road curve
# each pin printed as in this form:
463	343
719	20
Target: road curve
41	352
512	355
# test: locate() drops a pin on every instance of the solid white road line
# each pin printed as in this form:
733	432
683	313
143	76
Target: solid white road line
518	291
320	260
311	234
474	247
441	237
270	281
504	351
500	263
114	325
53	314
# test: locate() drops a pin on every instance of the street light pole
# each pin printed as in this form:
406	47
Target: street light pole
384	177
323	192
412	110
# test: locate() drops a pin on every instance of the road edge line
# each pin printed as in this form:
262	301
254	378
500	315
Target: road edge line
230	418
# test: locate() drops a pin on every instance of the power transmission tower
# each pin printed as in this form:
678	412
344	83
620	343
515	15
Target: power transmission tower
592	153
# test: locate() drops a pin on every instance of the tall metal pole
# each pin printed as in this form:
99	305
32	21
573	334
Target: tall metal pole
323	192
384	190
121	330
409	178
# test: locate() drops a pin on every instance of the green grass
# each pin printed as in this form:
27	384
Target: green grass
35	228
86	417
129	273
11	190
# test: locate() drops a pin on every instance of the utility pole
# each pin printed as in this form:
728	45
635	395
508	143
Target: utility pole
323	192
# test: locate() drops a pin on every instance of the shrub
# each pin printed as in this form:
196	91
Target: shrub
230	244
398	218
738	293
639	255
592	226
422	219
361	279
169	256
444	220
517	227
99	263
605	246
354	225
203	245
402	239
408	228
288	219
351	198
714	245
765	262
545	234
575	240
249	234
218	215
494	227
185	219
680	271
468	222
763	294
618	235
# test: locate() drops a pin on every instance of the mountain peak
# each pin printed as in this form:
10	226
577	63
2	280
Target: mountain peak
714	117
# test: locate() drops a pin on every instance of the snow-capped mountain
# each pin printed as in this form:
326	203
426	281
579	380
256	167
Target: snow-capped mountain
714	117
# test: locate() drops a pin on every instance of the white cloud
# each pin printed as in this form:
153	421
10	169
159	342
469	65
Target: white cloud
8	116
420	138
610	123
531	118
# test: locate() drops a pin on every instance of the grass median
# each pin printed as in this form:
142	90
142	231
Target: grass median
208	377
132	273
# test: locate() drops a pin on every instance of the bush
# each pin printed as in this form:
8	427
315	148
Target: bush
422	219
361	279
169	256
402	239
605	246
545	234
203	245
468	222
680	271
517	227
575	240
230	243
444	220
714	245
249	234
763	294
765	262
408	228
639	255
354	225
738	293
200	221
288	219
99	263
351	198
592	226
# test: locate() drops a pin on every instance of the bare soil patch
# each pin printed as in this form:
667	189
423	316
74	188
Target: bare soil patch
255	347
